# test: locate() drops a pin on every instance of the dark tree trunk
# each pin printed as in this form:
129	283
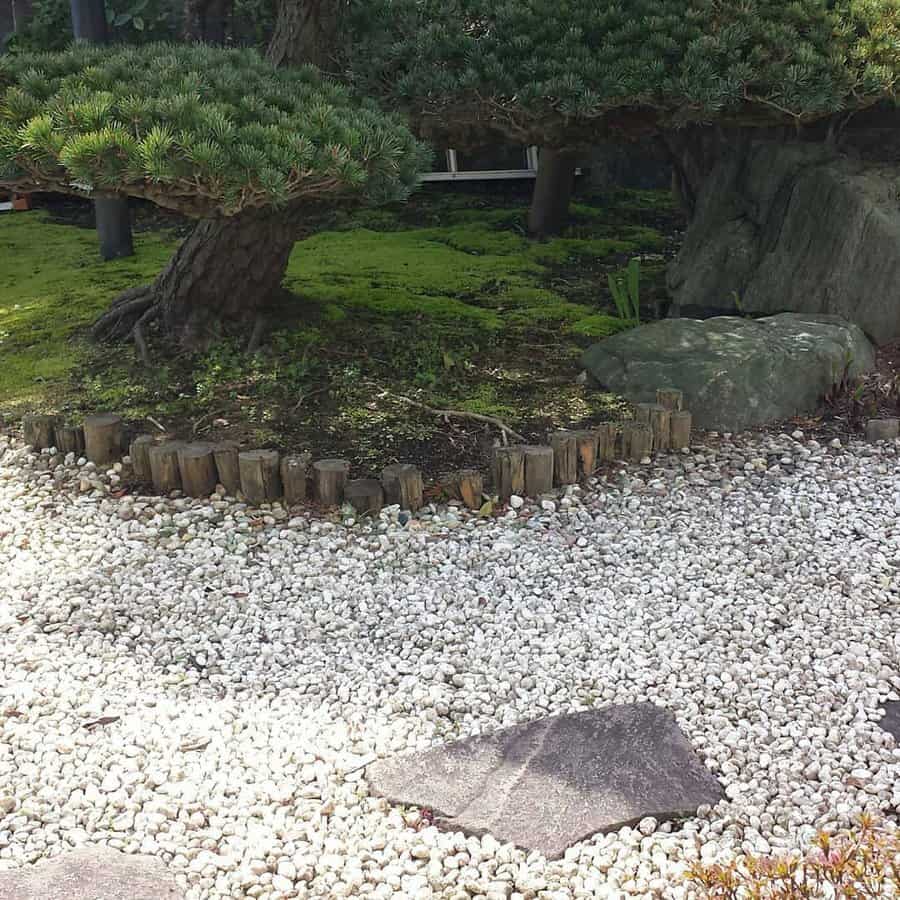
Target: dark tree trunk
306	31
113	219
112	215
223	275
215	20
206	20
694	152
549	211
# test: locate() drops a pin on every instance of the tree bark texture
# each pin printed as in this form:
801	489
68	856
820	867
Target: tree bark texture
549	211
221	275
306	31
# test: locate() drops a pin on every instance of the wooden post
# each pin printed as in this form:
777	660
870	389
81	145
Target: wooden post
606	441
39	431
538	470
139	451
260	477
69	439
508	466
294	469
197	466
329	480
671	398
681	429
469	485
661	426
565	457
402	484
587	442
103	438
225	454
660	421
164	470
365	495
886	429
637	441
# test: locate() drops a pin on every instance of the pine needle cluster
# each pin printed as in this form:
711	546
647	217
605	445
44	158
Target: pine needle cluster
202	130
556	71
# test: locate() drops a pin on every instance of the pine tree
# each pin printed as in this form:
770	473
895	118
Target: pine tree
562	73
218	135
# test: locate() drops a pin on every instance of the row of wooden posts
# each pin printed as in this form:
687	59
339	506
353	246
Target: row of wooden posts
264	476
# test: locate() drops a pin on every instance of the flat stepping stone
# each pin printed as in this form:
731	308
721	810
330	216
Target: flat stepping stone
891	720
91	874
553	782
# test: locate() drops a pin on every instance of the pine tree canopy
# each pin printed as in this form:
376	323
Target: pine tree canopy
205	131
555	72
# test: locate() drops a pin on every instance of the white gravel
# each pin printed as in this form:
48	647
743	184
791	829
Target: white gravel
254	662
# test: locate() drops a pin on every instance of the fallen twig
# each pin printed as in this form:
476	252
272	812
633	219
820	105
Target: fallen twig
307	396
462	414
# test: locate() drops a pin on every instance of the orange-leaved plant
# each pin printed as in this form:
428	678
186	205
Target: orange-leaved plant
859	863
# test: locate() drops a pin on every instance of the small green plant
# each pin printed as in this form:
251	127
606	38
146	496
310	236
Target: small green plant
738	303
625	287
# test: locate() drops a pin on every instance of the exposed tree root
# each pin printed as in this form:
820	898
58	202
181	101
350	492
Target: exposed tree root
462	414
118	322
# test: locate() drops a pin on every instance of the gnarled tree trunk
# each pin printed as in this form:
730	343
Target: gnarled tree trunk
549	211
222	275
227	269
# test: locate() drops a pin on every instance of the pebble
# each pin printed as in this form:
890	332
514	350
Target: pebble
241	667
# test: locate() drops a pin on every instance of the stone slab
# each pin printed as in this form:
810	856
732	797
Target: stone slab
91	874
550	783
735	373
891	720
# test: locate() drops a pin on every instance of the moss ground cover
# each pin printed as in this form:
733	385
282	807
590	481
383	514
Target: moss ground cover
443	300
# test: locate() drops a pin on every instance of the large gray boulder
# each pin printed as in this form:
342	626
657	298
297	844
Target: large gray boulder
796	227
91	874
735	372
550	783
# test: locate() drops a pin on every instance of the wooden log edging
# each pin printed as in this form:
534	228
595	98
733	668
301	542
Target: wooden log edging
69	439
329	480
365	495
294	472
260	472
200	469
103	438
225	453
403	486
164	470
197	465
39	431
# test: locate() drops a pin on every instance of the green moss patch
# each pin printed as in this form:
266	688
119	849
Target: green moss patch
52	284
444	301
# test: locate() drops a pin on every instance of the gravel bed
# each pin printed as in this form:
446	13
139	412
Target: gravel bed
205	682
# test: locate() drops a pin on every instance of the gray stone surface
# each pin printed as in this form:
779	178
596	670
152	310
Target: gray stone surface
796	227
91	874
550	783
735	372
891	721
